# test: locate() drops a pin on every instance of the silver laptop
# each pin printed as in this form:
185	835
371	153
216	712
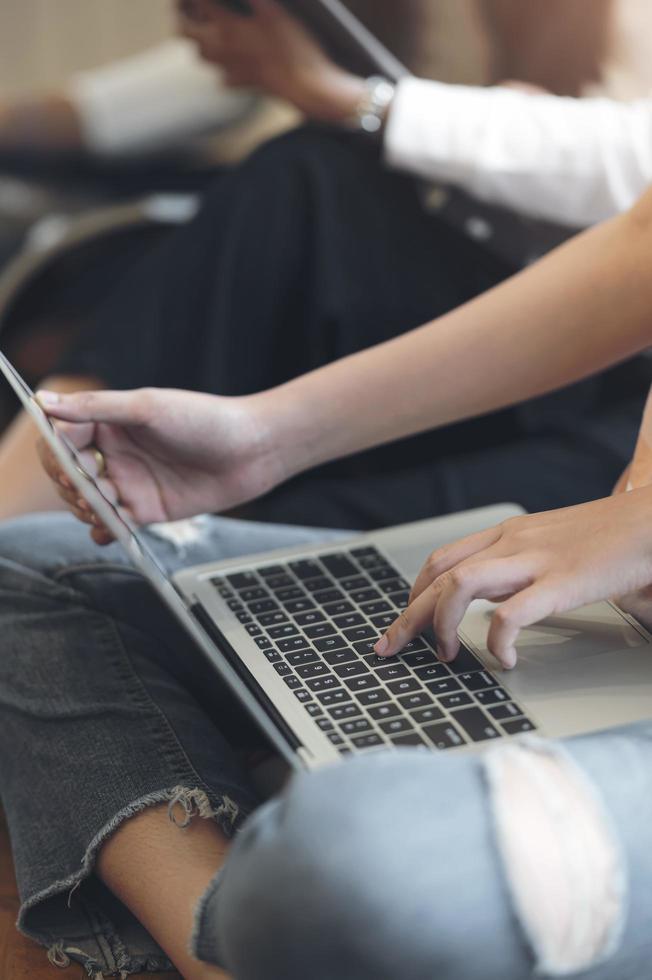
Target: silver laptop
292	634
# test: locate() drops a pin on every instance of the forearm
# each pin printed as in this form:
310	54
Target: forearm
572	161
49	123
584	307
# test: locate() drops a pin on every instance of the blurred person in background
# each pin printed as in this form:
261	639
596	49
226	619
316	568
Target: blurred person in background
350	255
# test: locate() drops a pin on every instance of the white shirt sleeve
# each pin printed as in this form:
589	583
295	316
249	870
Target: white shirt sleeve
153	101
571	161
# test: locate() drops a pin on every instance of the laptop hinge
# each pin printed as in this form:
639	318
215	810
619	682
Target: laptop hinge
225	648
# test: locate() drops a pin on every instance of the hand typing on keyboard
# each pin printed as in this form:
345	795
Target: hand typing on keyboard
532	566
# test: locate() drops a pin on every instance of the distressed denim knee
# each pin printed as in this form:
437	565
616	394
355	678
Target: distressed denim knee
379	868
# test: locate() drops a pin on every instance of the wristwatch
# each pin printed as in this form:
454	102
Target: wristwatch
371	111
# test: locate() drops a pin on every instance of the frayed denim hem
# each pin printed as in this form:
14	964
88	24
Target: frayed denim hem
104	952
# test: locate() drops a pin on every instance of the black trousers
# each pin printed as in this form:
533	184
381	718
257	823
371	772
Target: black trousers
307	252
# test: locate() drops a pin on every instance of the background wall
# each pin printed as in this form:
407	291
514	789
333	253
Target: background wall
42	40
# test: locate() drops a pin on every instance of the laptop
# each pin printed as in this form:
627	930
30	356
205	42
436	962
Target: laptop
343	35
292	634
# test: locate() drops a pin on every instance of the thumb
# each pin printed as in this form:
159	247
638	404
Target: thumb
119	407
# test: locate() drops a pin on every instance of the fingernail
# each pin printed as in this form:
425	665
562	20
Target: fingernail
441	655
48	398
382	646
510	660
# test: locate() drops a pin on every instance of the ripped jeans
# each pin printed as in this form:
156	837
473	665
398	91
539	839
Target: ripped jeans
533	859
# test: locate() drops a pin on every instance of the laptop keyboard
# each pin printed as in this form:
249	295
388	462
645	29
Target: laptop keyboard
317	620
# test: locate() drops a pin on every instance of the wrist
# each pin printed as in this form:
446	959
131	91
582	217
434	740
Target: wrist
333	95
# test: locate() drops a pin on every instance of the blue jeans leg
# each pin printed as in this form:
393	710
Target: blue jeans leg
99	721
389	867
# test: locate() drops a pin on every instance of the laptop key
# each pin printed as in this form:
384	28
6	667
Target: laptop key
272	618
367	551
396	726
306	569
400	599
287	595
419	659
328	596
371	561
478	680
263	606
418	700
405	686
382	572
496	695
383	621
503	712
326	724
328	643
340	657
292	682
276	582
244	618
381	711
365	595
465	662
336	696
338	565
242	580
263	643
309	618
321	629
273	656
394	585
370	741
235	605
351	670
392	672
271	570
407	741
519	726
342	608
368	698
303	695
476	724
445	686
356	726
302	658
342	711
346	622
335	738
294	606
318	584
364	683
313	670
282	668
425	716
375	661
444	735
432	672
250	595
361	633
313	709
253	630
366	648
452	701
279	632
375	608
356	582
292	644
319	684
